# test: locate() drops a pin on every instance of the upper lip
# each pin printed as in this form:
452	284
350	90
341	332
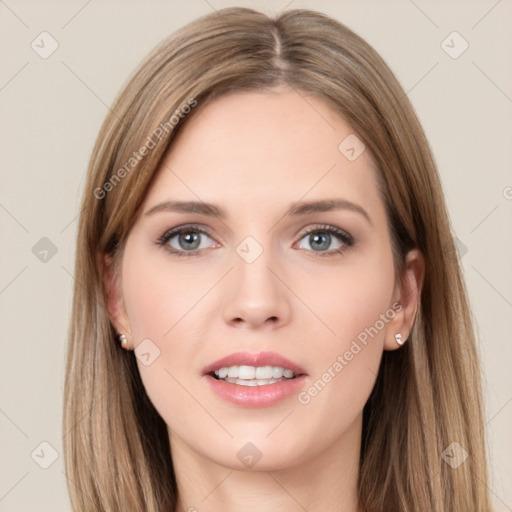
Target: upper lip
254	359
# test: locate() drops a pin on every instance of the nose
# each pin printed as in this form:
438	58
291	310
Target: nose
256	296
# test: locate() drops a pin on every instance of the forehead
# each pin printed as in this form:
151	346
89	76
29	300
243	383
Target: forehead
273	148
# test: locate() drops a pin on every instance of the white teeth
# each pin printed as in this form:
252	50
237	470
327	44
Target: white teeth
253	373
264	372
277	372
246	382
246	372
233	371
254	382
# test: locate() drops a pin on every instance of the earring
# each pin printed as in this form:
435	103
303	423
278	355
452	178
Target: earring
123	340
398	338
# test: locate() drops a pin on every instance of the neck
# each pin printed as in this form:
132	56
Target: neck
327	481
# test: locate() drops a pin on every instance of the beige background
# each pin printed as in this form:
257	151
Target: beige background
51	110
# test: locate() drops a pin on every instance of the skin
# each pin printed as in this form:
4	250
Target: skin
243	151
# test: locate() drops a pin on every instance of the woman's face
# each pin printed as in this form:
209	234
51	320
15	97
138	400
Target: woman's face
268	273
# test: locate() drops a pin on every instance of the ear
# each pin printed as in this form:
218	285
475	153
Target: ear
407	295
115	301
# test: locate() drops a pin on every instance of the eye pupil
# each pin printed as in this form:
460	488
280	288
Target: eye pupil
323	240
189	237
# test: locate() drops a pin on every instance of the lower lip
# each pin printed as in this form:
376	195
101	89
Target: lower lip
256	396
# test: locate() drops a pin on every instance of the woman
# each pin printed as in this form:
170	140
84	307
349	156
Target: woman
269	313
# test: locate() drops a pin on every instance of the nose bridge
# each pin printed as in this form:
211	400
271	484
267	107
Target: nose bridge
256	295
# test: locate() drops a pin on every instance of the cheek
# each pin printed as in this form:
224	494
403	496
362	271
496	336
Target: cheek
157	301
150	304
162	303
356	305
156	297
356	298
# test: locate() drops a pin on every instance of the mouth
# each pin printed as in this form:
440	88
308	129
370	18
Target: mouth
261	379
254	369
245	375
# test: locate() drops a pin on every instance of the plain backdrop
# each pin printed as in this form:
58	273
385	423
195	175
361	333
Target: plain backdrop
51	111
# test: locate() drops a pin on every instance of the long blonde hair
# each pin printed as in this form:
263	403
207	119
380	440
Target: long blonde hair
427	394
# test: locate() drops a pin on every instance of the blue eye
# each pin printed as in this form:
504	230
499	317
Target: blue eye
188	240
320	239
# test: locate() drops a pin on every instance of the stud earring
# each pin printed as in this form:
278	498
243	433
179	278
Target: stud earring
398	338
123	340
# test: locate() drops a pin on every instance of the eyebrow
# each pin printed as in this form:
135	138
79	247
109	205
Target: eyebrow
294	210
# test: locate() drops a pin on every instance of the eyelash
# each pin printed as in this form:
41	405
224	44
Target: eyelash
344	237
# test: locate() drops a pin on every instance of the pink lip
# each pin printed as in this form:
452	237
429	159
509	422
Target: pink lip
254	359
255	396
